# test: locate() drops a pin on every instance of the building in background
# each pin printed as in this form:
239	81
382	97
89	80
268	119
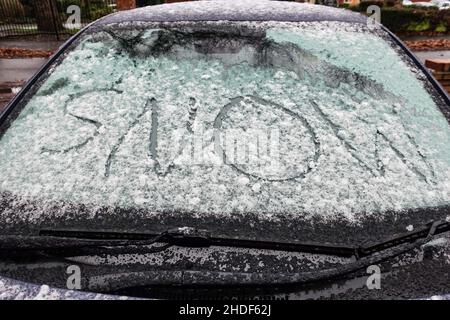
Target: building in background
349	2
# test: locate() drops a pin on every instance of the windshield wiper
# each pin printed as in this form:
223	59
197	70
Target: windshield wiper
191	237
69	242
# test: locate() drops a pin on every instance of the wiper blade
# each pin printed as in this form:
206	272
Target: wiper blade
69	240
72	242
191	237
183	236
421	235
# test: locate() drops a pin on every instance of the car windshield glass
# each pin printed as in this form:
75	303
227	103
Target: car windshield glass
304	120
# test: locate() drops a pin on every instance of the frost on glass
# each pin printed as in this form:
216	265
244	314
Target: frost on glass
142	118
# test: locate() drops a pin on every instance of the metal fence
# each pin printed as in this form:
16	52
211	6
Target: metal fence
57	18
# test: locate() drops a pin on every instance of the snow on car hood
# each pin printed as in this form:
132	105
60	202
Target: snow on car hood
17	290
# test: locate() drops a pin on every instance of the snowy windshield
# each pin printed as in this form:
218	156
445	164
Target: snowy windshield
270	119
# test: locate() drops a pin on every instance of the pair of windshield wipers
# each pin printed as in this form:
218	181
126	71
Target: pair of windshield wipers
71	242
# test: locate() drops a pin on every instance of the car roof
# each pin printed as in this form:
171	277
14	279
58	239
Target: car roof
235	10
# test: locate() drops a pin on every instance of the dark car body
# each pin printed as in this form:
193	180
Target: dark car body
233	272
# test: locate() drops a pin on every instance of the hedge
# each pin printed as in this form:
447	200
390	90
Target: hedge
401	20
411	19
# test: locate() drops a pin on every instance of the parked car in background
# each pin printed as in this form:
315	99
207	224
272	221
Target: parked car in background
427	4
444	5
440	4
221	149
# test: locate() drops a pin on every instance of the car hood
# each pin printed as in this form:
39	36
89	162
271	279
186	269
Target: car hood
11	289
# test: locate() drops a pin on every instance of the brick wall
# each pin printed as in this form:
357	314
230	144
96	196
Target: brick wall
441	71
126	4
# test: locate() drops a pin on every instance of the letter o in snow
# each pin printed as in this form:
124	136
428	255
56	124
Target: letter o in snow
265	140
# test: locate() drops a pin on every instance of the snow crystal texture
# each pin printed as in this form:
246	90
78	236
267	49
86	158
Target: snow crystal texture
118	121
